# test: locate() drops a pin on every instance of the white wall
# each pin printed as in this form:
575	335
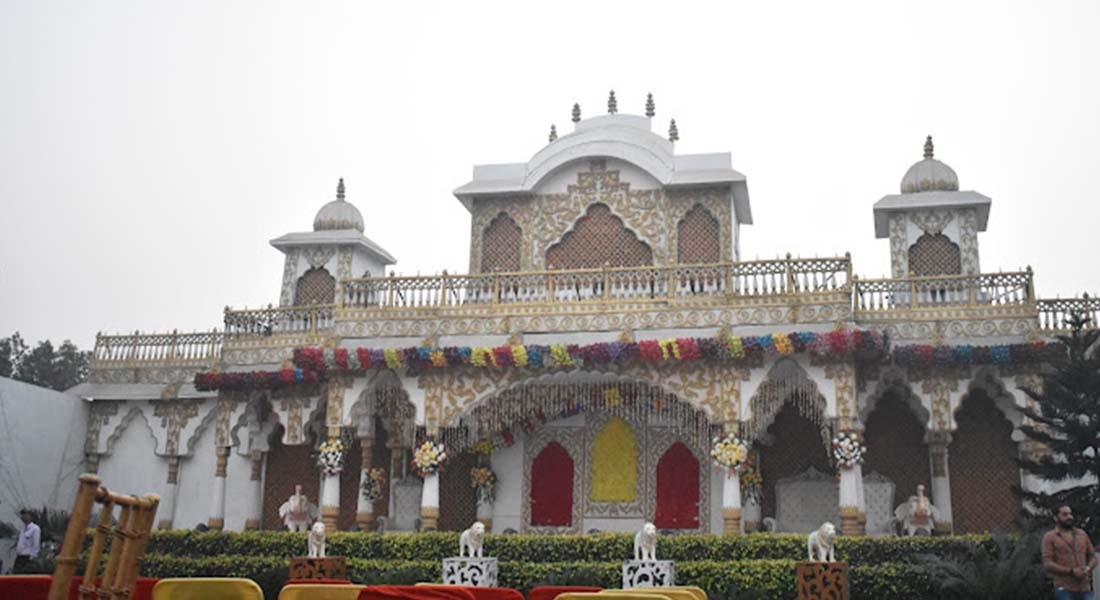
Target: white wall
41	451
132	467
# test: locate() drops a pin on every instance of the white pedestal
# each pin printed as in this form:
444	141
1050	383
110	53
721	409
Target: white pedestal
478	572
648	573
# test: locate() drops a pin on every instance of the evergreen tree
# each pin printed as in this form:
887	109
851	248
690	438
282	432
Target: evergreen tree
11	354
1066	421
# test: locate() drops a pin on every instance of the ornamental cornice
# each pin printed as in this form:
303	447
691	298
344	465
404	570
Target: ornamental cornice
413	323
953	327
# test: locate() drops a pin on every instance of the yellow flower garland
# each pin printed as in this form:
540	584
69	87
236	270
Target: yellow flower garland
393	359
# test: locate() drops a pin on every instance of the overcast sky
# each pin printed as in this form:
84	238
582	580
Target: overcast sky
150	150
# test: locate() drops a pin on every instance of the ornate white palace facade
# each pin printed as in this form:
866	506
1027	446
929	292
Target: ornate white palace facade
607	330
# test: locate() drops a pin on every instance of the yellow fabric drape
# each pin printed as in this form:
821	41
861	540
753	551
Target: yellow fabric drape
614	463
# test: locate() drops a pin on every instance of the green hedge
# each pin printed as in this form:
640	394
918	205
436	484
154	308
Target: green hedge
774	578
592	548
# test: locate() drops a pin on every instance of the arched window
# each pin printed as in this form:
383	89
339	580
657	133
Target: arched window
677	489
982	467
500	245
614	463
596	238
934	254
552	487
698	238
317	286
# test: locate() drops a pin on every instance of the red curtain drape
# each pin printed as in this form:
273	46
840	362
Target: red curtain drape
677	489
552	487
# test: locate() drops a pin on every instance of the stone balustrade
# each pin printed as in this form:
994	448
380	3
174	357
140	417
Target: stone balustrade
873	297
265	322
1053	314
138	349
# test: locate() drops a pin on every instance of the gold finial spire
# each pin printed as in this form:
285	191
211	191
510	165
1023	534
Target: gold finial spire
576	112
650	107
673	132
340	189
553	133
612	103
928	147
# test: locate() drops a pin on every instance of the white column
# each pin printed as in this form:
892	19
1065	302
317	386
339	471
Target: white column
255	498
217	501
168	500
851	494
330	501
429	503
731	502
941	479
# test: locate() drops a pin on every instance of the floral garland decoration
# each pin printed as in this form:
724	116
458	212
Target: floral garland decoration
727	348
255	380
483	448
848	449
374	486
729	452
484	480
428	458
331	458
923	355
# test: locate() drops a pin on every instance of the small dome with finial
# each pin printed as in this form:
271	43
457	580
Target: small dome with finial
612	103
673	131
576	112
929	174
553	133
338	214
650	106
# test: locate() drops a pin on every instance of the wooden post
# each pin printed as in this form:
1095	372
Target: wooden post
141	521
102	530
74	537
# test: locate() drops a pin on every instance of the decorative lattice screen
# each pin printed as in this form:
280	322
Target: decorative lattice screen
596	238
698	237
458	501
895	447
500	245
934	254
981	467
317	286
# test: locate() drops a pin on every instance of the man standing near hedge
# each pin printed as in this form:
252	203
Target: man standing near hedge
1069	557
30	540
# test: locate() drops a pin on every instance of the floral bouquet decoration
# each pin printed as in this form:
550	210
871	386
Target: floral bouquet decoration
848	449
331	458
484	480
374	486
730	452
429	458
752	482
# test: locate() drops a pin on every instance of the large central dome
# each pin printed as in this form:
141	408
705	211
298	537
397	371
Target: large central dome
338	214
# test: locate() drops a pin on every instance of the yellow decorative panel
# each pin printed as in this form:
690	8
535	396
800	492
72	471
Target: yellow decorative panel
614	463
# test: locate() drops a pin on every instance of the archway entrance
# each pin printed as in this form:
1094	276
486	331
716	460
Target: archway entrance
793	445
896	449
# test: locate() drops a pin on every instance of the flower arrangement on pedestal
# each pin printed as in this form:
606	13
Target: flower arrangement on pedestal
374	486
730	452
331	458
484	480
752	483
429	458
848	449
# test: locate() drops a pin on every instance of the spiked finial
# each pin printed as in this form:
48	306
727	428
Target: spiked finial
650	107
673	132
553	133
340	190
576	112
928	147
612	104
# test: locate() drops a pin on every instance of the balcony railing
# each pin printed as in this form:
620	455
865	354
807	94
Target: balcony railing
270	321
175	349
757	280
873	296
1053	314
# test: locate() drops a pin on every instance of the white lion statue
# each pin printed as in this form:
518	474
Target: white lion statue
471	540
298	513
824	542
317	540
645	543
